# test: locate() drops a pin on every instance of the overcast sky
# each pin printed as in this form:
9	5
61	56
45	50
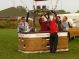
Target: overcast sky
68	5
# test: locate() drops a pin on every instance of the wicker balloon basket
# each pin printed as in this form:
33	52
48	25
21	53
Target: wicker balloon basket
39	42
73	32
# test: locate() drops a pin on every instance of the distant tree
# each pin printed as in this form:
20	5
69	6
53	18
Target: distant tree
61	12
67	12
21	8
77	11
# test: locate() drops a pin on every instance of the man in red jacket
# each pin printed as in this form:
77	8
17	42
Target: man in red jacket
53	35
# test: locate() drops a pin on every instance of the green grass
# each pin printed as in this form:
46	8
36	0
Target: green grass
9	48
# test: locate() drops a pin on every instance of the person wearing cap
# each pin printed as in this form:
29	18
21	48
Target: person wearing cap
53	34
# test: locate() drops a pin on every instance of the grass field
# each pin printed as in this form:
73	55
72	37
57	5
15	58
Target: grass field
9	47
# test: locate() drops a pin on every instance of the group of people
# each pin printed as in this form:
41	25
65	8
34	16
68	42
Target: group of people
63	24
25	25
54	25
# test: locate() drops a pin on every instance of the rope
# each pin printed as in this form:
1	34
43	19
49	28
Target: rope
55	4
13	3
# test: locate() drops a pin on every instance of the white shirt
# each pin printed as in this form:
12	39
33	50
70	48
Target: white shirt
24	27
70	22
66	25
44	18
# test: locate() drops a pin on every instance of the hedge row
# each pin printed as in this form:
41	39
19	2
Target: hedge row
8	23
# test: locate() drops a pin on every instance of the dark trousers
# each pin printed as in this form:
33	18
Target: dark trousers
69	36
53	42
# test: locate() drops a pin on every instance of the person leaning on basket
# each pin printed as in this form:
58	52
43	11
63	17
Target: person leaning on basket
23	26
66	24
53	34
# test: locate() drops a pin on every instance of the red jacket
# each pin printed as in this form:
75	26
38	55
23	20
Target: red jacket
53	26
43	25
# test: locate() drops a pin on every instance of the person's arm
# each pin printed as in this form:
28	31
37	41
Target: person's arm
27	28
70	22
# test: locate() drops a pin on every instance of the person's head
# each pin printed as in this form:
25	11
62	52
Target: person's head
30	22
58	17
52	17
18	19
65	18
23	19
44	18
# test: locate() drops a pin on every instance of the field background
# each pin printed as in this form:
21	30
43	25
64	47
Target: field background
9	48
